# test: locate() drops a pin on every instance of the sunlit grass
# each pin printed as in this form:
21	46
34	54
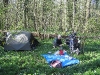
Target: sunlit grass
31	62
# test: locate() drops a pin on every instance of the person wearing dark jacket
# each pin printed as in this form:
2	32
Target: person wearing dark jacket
33	42
57	41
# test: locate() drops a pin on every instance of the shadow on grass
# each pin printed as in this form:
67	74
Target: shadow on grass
92	45
82	68
9	70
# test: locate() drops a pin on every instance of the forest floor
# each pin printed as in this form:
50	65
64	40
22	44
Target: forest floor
32	63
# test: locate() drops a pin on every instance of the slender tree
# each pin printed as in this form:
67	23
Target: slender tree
5	2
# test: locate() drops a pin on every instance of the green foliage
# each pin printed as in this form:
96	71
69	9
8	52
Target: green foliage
32	63
49	15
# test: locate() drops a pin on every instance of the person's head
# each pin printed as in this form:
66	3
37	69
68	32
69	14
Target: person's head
59	36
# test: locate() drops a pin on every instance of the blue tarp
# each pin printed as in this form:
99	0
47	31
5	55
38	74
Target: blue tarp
66	60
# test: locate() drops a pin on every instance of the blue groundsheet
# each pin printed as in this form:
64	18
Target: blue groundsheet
65	60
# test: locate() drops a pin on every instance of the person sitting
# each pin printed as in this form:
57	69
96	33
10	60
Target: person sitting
33	42
57	41
73	42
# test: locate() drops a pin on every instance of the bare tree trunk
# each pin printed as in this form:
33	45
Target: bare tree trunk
25	13
73	15
5	2
42	23
60	17
44	15
87	15
34	15
88	9
70	15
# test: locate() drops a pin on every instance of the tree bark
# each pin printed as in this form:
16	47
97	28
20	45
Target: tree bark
5	2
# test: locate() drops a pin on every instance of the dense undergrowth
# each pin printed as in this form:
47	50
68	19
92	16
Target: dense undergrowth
32	63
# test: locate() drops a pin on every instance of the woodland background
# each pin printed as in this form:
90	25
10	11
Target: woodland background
51	16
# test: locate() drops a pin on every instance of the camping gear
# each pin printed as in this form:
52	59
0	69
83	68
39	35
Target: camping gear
60	52
55	64
65	60
74	43
21	40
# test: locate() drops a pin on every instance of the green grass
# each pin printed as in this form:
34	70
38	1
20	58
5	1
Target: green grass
32	63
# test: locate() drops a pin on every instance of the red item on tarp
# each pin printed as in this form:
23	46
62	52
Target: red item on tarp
61	52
